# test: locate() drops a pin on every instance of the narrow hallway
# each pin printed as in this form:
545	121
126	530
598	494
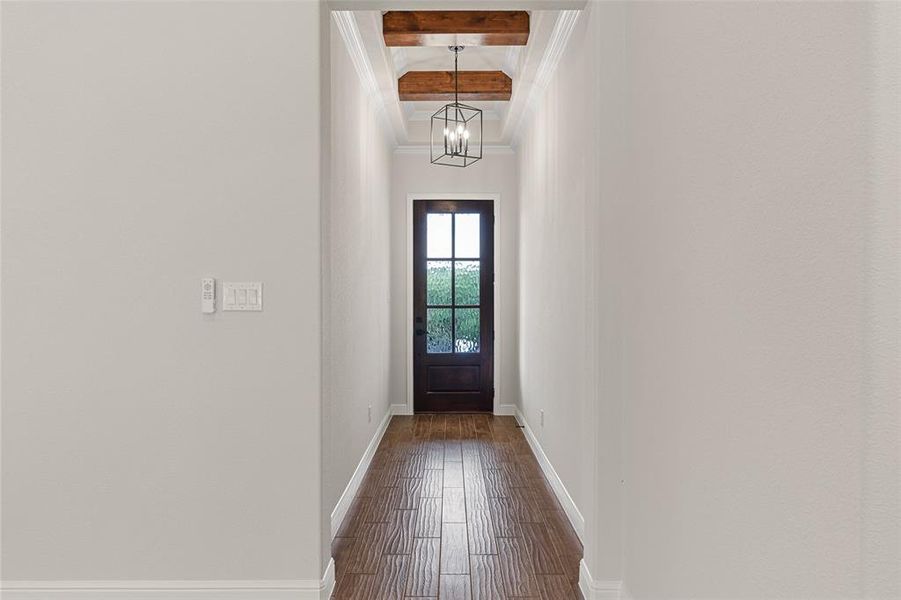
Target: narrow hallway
455	506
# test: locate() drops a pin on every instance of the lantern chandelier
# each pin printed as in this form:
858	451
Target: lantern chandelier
456	131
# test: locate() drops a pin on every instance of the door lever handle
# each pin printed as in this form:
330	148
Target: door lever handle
417	326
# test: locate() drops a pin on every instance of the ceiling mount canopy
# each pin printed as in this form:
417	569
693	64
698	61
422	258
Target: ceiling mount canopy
456	129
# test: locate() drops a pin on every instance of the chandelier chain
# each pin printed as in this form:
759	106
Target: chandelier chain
456	77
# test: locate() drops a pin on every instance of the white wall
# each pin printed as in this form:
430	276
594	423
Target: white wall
146	145
357	271
494	174
746	355
745	230
556	155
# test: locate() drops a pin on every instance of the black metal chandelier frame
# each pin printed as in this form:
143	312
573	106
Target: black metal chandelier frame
452	120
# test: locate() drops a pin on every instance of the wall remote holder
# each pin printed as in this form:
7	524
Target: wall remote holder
208	295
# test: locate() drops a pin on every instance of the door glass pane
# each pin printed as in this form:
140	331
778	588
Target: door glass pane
438	282
467	322
466	235
438	235
438	330
466	281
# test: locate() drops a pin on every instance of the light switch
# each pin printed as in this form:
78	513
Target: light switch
246	295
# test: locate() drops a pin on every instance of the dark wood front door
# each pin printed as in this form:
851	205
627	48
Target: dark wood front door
453	305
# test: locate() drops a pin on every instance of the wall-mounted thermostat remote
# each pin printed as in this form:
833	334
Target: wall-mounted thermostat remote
207	295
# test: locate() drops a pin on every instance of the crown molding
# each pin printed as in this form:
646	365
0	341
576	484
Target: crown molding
347	25
533	5
550	60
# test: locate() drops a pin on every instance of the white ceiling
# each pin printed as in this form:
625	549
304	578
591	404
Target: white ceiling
529	67
439	58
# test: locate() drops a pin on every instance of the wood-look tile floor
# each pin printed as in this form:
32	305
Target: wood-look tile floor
455	507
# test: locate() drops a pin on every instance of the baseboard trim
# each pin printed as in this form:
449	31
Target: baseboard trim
347	497
279	589
569	506
598	590
400	409
505	410
327	585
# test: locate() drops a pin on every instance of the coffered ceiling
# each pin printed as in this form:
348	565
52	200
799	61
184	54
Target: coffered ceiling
529	66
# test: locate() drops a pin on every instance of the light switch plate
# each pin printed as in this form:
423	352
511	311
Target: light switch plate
242	295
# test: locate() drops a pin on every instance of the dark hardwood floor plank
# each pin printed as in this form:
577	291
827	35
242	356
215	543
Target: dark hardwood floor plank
453	451
428	521
432	483
382	506
557	587
455	587
542	549
410	492
353	520
422	427
453	474
391	579
353	587
503	516
424	568
517	572
455	506
434	456
486	578
399	536
454	549
368	549
481	532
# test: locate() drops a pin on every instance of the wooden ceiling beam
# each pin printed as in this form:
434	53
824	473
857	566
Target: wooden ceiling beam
439	85
456	27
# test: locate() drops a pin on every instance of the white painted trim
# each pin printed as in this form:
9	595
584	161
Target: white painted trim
400	409
327	585
598	590
424	149
457	4
569	506
553	52
505	410
353	42
425	115
279	589
408	297
347	497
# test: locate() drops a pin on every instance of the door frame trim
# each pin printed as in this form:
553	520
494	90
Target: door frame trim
408	298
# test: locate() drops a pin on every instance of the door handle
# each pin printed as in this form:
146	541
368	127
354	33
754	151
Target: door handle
417	326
